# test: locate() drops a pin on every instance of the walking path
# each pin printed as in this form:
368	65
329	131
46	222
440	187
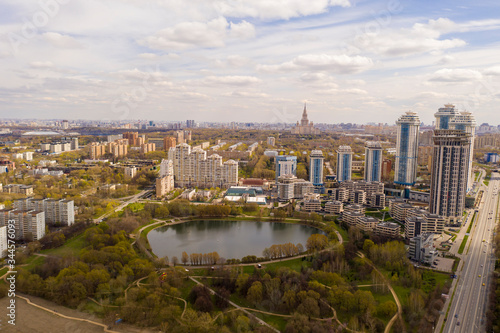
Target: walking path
398	303
105	327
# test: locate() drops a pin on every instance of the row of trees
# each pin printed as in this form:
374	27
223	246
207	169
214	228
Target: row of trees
211	258
282	250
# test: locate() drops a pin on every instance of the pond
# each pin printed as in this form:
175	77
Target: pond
230	239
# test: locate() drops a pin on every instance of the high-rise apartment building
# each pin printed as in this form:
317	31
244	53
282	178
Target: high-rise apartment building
444	116
316	169
271	141
386	169
56	211
29	224
193	168
285	165
373	161
407	149
118	148
132	137
96	150
190	123
3	241
169	142
466	122
344	163
147	148
449	176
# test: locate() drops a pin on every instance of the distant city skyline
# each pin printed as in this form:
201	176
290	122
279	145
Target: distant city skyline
248	61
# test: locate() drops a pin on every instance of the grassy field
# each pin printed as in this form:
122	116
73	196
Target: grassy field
33	261
462	246
294	264
4	270
71	247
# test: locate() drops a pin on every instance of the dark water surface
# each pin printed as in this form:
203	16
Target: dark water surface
230	239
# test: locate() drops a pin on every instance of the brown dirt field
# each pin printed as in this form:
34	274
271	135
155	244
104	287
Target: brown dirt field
35	320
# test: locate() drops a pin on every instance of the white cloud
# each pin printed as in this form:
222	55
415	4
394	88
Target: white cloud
276	9
41	64
341	64
455	75
247	94
61	41
148	56
189	34
242	30
494	71
212	34
236	80
447	59
421	38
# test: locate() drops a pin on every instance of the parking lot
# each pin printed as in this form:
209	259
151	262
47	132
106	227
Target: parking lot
444	264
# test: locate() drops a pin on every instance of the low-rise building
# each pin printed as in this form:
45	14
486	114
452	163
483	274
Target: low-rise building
388	229
422	248
340	194
367	223
312	202
354	208
18	188
377	200
358	197
400	211
334	207
351	218
291	187
130	172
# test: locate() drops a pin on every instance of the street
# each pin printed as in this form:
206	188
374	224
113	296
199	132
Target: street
467	311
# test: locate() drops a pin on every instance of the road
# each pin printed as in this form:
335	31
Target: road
123	205
467	311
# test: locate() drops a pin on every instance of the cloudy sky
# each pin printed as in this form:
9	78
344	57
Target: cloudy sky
248	60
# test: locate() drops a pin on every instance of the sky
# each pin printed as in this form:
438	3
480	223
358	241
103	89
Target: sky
248	60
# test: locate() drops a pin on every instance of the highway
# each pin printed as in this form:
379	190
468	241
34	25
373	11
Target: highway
467	311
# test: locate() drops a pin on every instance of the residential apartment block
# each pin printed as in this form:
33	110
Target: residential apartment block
194	168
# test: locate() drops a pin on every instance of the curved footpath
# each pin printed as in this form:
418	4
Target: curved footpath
105	327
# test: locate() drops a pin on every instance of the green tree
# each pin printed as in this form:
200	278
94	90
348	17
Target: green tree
254	294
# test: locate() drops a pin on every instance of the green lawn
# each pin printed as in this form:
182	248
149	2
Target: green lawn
462	246
294	264
4	270
33	261
71	247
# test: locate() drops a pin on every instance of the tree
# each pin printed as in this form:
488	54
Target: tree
184	258
316	242
254	294
175	260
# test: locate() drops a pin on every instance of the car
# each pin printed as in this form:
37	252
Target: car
479	275
483	284
456	316
481	265
458	323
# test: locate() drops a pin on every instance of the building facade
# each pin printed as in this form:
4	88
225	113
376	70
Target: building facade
194	168
344	163
285	165
373	161
316	170
449	177
407	149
